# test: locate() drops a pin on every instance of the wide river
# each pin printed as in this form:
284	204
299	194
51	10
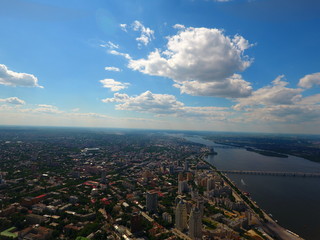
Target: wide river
293	201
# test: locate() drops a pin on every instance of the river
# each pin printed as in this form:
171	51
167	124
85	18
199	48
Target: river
293	201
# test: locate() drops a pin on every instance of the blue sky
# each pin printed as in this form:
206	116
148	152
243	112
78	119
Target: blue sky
165	64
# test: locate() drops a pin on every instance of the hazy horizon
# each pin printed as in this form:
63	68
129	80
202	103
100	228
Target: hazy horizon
158	129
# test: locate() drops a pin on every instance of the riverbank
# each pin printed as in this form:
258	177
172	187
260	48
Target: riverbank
271	228
291	200
267	153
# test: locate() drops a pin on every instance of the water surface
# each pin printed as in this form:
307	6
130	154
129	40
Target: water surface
293	201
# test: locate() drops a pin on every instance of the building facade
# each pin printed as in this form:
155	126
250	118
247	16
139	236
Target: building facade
195	224
152	201
181	216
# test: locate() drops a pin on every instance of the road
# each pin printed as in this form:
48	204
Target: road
278	232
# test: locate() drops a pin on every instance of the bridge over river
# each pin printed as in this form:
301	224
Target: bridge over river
272	173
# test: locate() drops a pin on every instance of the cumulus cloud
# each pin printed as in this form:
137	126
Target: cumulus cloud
295	113
310	80
146	34
149	102
12	100
283	113
241	42
14	79
164	105
114	85
233	86
200	55
278	103
115	69
310	100
117	97
275	94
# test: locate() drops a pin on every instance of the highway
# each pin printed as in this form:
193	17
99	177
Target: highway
278	232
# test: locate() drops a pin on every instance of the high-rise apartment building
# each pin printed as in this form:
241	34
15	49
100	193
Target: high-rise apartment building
210	184
183	187
195	224
200	206
152	201
103	177
186	166
180	177
189	176
136	222
181	216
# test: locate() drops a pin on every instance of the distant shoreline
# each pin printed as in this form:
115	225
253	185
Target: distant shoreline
267	152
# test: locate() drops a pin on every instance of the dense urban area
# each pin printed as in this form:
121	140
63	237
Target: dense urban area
58	183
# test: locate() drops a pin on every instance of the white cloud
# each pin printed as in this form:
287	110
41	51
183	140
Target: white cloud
283	113
12	100
115	69
233	86
178	26
114	85
146	33
109	45
117	97
275	94
277	103
46	106
149	102
310	100
310	80
123	27
164	105
125	55
6	107
11	78
200	55
93	115
295	113
241	42
43	108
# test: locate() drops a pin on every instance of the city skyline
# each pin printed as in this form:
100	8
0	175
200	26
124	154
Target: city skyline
239	66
